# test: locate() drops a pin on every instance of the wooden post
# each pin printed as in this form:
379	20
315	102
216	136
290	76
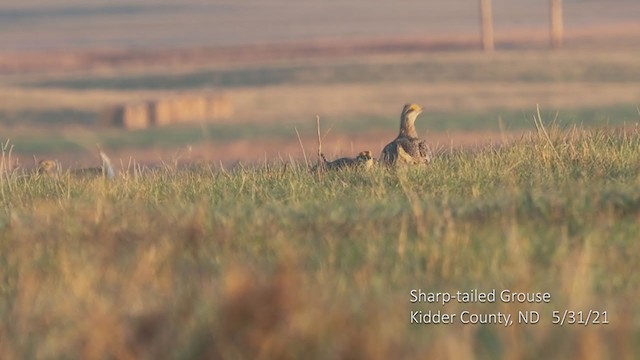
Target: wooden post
556	26
486	25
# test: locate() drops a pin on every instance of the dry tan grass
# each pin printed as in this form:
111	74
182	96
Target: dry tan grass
185	264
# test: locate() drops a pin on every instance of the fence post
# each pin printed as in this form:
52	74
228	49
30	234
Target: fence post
486	25
556	26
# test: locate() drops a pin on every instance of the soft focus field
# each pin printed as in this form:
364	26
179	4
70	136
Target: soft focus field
469	98
65	24
273	261
353	62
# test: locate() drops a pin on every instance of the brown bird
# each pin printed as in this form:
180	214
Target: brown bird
48	167
52	167
407	148
363	160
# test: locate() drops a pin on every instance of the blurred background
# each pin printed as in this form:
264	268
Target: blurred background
229	81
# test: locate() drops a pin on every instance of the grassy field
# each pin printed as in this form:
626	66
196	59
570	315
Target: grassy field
177	136
216	241
274	261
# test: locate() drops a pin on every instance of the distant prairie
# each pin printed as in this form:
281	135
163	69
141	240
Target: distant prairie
57	24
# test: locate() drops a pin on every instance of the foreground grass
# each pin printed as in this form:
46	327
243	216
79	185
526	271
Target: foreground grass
277	262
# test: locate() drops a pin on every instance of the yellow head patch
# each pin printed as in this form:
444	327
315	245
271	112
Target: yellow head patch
412	108
415	107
